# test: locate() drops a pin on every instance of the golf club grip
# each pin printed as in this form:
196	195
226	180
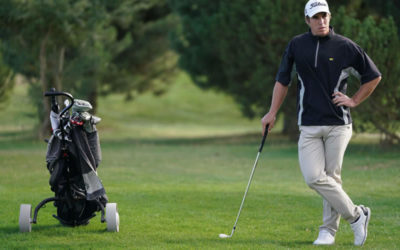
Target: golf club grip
263	139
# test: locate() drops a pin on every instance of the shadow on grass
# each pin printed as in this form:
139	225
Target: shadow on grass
274	139
9	230
15	229
249	138
12	136
371	148
239	243
48	229
267	241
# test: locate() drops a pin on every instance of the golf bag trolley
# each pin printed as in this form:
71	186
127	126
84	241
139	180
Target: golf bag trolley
73	155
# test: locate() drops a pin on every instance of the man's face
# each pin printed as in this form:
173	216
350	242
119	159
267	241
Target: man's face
319	23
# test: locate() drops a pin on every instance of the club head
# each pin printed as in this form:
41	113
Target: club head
224	236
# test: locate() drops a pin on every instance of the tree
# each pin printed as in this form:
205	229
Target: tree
380	40
86	47
145	62
41	39
236	47
6	82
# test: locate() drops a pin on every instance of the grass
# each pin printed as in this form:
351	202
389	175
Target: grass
184	112
179	177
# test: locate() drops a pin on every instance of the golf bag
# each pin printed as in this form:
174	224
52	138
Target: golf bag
72	158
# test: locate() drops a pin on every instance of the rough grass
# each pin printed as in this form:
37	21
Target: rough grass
179	181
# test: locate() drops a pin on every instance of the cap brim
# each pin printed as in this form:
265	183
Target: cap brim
316	11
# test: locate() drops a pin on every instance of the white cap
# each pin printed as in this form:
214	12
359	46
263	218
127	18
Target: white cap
316	6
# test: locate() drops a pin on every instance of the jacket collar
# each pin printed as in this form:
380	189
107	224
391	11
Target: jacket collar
330	34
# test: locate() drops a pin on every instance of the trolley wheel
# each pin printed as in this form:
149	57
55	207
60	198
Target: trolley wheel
112	217
25	213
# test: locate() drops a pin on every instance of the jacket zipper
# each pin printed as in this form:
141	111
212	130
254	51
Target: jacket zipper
316	55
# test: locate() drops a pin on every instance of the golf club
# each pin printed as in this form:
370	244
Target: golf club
223	236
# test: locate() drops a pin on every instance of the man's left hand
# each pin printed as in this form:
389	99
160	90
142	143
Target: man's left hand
341	99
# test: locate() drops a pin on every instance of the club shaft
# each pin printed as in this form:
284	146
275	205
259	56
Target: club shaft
245	193
251	177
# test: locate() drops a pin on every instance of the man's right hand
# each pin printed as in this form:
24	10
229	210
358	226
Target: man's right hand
278	96
268	119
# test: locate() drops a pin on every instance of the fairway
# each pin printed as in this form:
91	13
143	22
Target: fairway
181	188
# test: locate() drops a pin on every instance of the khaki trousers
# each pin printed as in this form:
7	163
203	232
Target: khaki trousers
321	151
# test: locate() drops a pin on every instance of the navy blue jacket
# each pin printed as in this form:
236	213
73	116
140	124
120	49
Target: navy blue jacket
323	65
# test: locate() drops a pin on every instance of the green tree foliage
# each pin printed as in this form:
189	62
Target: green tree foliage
50	42
360	9
236	47
380	40
146	62
87	47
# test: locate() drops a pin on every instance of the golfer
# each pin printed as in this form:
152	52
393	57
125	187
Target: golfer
324	60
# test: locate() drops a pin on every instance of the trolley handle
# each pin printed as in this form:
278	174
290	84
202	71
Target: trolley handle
56	93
